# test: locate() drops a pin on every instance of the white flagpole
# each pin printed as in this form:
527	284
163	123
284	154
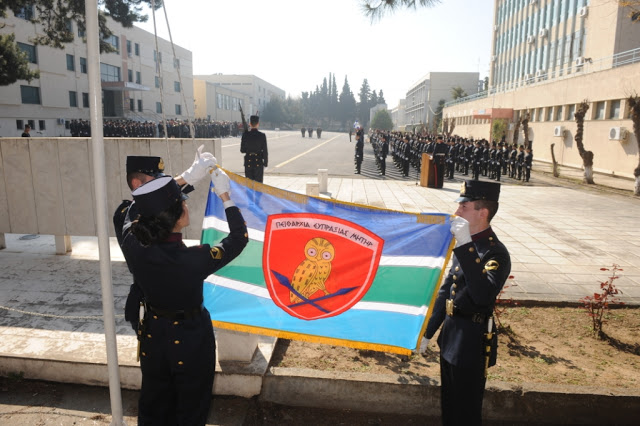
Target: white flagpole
99	177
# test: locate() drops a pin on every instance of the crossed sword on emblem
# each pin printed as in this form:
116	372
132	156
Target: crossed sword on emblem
285	282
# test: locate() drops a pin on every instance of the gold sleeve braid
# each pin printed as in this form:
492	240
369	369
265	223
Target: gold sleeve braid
216	253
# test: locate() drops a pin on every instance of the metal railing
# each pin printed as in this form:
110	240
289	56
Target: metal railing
580	66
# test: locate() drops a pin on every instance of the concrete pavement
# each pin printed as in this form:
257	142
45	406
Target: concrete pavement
559	233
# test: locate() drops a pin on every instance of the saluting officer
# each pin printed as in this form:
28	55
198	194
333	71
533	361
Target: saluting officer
254	147
464	307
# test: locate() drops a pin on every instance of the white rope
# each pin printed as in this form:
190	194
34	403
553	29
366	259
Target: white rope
69	317
159	72
183	96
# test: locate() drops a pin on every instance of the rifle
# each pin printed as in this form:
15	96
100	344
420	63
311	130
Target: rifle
244	121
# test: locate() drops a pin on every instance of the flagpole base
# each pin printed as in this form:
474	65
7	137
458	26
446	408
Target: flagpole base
235	346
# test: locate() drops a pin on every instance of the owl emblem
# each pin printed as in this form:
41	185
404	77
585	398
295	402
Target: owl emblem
312	273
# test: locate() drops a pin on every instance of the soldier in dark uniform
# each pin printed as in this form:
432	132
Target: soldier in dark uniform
439	152
254	147
318	132
359	153
303	130
384	151
528	161
140	170
477	160
464	307
25	133
310	131
520	161
177	351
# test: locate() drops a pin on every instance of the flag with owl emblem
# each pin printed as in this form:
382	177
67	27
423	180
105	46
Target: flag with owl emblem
326	271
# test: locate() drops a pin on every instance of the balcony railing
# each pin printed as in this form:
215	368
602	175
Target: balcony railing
580	66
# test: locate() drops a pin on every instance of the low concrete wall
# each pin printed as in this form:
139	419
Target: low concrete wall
47	184
402	394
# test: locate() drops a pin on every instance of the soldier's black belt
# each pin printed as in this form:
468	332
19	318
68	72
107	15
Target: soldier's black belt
181	314
476	317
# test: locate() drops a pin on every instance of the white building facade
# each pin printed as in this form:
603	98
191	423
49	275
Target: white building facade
131	80
548	56
421	100
257	92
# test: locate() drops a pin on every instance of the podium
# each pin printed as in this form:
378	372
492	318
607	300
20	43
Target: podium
427	170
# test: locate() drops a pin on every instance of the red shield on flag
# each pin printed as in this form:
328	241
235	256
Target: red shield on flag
318	266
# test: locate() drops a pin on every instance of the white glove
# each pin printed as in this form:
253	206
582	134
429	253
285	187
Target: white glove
266	168
220	181
460	230
424	342
202	163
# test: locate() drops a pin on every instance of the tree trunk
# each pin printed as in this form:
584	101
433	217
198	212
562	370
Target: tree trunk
452	126
516	131
555	163
587	156
525	129
634	107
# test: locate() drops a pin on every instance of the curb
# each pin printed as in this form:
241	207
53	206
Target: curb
412	395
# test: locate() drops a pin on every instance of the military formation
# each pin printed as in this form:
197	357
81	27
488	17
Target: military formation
309	130
148	129
454	154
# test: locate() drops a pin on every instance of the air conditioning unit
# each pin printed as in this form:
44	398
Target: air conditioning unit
540	73
60	121
617	134
527	77
580	61
531	39
532	2
559	131
495	27
493	58
583	12
543	33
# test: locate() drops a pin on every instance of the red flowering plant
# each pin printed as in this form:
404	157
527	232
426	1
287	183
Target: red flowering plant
597	305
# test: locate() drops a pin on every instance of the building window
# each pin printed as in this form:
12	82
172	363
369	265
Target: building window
71	63
136	48
132	104
138	77
130	76
614	112
26	12
176	63
83	65
30	95
129	47
572	112
41	124
114	41
158	107
73	99
109	73
157	81
19	124
85	100
178	109
176	86
81	32
139	105
599	110
157	56
31	123
30	50
69	25
559	115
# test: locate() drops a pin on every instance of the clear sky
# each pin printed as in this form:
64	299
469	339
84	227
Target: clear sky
294	44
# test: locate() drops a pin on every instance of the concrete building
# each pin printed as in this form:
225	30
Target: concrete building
221	101
130	82
398	115
547	57
421	101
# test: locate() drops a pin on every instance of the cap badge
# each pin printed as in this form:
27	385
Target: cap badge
161	165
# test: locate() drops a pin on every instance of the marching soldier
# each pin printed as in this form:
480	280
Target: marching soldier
359	152
528	161
254	147
384	151
512	161
310	131
520	161
318	132
303	130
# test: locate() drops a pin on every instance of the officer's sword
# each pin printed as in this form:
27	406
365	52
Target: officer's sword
487	348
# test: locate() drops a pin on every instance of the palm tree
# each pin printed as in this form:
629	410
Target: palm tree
634	107
587	156
375	9
458	92
525	129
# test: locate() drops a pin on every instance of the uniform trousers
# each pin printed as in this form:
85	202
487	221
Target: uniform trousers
178	361
461	394
254	173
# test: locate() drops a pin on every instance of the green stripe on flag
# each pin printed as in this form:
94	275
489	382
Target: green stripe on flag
403	285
